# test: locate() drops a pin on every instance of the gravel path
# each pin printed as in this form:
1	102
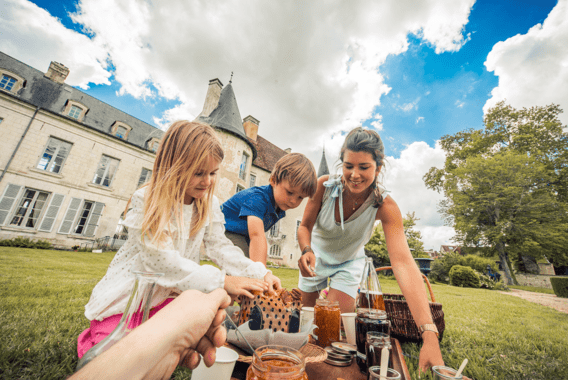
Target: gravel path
550	300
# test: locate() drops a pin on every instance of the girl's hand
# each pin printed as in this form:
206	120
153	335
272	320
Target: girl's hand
243	286
430	354
307	263
273	283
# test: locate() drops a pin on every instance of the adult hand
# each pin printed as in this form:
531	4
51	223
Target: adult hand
430	354
190	325
273	283
237	286
307	263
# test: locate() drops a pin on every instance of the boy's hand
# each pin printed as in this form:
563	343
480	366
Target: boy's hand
306	264
273	283
237	286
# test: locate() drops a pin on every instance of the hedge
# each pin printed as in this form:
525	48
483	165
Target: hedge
464	277
560	286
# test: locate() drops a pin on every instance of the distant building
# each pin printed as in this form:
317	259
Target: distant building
323	169
445	249
70	162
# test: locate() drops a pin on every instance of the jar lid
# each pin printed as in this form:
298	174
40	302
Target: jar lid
371	313
325	302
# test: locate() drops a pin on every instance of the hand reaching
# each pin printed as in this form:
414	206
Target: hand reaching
273	282
430	354
237	286
307	263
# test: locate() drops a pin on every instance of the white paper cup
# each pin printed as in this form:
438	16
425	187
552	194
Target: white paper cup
349	326
222	369
306	315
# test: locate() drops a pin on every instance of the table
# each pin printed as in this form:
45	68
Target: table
324	371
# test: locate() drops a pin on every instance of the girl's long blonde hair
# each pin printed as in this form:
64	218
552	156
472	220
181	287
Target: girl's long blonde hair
184	150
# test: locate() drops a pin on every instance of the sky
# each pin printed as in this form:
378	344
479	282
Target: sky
413	70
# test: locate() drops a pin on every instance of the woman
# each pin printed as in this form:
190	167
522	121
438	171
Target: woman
338	221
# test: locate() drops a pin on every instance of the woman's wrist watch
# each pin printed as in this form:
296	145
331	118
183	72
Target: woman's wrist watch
306	249
428	327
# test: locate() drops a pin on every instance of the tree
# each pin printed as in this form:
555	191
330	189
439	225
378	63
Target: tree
506	185
377	247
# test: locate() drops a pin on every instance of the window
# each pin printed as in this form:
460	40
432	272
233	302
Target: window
120	129
54	155
1	120
83	216
252	180
106	170
153	144
239	188
298	222
29	209
144	177
275	251
274	229
7	82
243	167
75	112
121	132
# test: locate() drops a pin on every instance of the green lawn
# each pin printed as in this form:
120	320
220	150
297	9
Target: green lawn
42	294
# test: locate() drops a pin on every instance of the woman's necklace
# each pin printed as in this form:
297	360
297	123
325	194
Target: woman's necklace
355	202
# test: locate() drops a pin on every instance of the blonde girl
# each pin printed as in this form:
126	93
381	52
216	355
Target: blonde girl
168	221
338	221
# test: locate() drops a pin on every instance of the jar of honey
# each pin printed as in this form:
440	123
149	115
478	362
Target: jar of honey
327	317
277	363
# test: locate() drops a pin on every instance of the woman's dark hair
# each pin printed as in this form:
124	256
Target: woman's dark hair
365	140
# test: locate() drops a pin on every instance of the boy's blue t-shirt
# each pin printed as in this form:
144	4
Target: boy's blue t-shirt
257	201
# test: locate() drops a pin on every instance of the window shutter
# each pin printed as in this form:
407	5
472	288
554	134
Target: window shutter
51	213
67	223
94	219
10	194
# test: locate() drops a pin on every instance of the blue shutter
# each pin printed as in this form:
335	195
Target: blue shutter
10	194
51	213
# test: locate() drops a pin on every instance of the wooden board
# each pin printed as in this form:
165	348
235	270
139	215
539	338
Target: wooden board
324	371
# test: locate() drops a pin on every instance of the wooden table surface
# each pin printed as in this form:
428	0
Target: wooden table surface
324	371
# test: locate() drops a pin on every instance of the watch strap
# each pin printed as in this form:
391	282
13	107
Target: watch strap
306	249
428	327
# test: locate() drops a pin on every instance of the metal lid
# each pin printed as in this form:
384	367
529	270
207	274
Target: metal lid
338	363
344	348
371	313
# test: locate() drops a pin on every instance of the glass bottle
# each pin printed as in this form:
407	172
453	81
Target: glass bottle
370	295
135	314
277	363
327	317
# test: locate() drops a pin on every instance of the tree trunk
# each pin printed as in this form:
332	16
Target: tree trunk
511	280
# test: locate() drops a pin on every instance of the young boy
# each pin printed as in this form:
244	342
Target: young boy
252	212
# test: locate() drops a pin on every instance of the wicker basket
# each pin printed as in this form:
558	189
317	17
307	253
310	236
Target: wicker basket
403	326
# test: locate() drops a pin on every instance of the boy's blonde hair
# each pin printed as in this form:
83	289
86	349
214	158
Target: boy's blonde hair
298	170
184	150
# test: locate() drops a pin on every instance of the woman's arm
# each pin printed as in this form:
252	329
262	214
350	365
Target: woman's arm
409	279
308	260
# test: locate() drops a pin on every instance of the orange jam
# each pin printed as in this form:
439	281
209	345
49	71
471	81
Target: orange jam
327	317
277	363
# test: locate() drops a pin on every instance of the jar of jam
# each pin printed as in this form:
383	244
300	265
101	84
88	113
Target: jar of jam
327	315
365	321
277	363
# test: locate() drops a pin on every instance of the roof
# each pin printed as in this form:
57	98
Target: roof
323	169
227	116
51	96
267	153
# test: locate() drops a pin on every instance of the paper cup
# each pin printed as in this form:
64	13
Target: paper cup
349	326
222	369
306	315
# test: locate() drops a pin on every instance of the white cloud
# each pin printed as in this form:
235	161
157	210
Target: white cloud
419	119
533	68
459	103
403	177
32	35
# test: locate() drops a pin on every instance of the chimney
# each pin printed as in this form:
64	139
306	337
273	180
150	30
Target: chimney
57	72
288	150
250	124
212	97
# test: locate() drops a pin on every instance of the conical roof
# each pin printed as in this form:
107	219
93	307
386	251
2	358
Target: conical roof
227	116
323	169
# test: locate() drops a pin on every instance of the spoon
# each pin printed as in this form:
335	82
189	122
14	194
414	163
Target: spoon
462	366
246	341
384	363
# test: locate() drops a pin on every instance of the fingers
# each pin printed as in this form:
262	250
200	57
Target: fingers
191	359
207	350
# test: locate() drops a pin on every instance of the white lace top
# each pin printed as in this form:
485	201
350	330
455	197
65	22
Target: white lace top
178	259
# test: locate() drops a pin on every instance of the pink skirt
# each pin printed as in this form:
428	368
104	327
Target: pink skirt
100	329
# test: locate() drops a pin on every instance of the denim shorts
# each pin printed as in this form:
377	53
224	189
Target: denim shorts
344	277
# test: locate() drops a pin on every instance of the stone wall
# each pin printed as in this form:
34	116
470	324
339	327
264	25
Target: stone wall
537	280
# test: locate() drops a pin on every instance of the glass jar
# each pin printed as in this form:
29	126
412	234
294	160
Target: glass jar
374	374
442	372
327	315
368	320
136	313
277	363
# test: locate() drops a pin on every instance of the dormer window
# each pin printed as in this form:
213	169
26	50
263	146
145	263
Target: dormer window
10	82
75	110
120	130
153	144
7	82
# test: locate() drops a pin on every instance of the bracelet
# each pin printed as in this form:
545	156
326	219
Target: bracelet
307	249
428	327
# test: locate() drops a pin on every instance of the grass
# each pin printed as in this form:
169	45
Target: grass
43	293
534	289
